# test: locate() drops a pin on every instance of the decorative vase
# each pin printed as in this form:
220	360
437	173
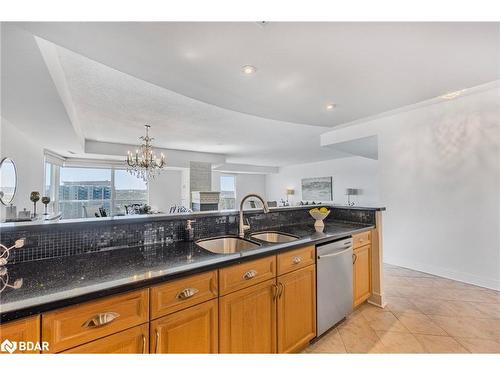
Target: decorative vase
34	197
319	217
45	201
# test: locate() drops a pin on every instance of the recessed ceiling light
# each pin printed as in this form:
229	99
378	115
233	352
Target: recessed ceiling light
453	95
330	107
249	69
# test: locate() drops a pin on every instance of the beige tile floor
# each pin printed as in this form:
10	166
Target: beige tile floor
424	314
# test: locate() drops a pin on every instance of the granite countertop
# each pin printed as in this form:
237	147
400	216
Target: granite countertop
59	282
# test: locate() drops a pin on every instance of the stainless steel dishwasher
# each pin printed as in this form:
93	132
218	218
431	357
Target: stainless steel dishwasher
334	283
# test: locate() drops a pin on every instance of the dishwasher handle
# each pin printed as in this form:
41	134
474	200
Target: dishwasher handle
342	251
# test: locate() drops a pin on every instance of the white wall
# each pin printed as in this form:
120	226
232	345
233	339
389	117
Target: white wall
166	190
351	172
28	157
439	177
245	183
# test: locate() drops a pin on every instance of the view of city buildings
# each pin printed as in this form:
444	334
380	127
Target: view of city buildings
79	199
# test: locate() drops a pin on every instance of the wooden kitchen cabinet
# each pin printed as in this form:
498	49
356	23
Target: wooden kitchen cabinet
179	294
247	320
246	274
193	330
361	239
21	330
76	325
296	309
264	305
295	259
361	274
131	341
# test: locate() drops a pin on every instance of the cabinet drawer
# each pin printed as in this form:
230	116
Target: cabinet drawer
76	325
246	274
179	294
21	330
361	239
295	259
131	341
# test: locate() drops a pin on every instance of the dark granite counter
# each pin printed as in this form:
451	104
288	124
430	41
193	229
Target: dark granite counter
58	282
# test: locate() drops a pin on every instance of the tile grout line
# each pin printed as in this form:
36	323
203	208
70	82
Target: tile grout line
341	339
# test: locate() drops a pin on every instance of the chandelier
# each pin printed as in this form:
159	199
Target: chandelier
144	163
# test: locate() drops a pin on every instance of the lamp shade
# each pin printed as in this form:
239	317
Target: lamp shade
352	191
290	191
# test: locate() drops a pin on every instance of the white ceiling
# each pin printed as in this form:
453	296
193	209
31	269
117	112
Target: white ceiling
366	68
29	98
112	106
185	80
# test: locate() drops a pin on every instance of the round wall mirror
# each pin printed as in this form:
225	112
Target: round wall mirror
8	180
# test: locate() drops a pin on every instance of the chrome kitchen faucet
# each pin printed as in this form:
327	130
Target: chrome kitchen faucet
243	227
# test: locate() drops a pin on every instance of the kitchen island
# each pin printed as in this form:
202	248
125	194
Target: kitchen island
64	283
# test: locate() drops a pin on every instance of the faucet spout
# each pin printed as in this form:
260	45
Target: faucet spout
242	225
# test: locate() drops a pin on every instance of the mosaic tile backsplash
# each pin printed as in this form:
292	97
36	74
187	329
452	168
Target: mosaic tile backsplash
58	240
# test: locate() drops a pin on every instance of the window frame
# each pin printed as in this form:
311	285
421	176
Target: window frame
55	181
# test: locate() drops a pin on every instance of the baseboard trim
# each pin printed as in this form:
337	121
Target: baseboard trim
377	300
446	273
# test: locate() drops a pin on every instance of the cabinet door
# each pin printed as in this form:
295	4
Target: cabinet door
131	341
248	320
193	330
361	274
21	330
296	309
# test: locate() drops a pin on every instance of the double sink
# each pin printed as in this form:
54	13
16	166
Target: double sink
234	244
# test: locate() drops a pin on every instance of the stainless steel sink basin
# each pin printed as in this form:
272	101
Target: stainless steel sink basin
227	245
273	236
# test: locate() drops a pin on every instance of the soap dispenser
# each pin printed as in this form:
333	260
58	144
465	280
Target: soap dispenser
190	230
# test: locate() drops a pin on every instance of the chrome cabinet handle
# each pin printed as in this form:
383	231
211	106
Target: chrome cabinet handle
100	320
187	293
143	344
296	260
157	341
354	258
249	274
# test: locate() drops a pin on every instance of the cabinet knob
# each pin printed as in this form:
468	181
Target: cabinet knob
354	258
250	274
296	260
100	320
187	293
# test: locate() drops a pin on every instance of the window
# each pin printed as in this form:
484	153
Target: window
227	192
81	192
128	190
84	192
